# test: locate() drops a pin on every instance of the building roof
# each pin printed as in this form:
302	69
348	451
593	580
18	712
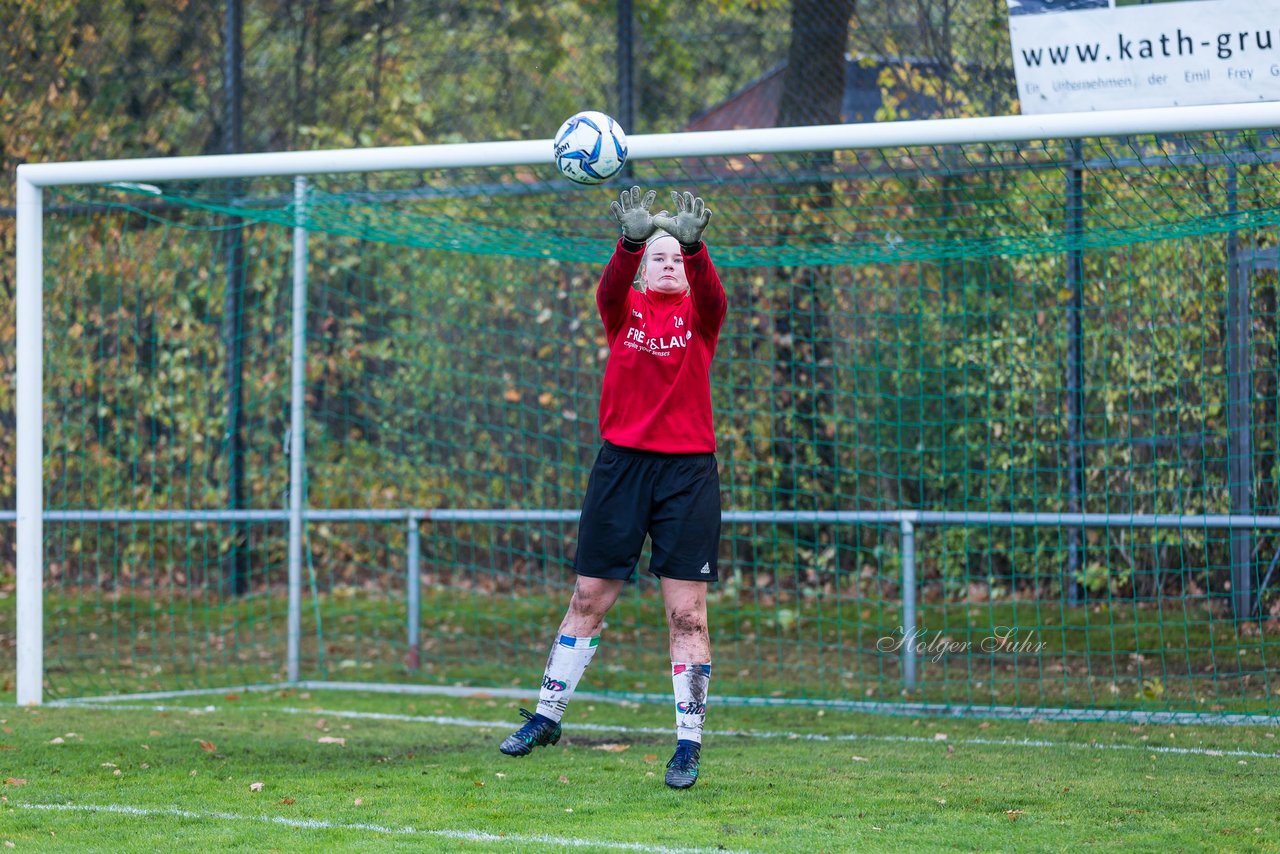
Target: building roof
756	104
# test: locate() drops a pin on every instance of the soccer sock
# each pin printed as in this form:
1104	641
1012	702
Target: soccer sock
690	683
569	658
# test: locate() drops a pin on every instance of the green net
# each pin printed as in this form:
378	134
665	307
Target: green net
981	330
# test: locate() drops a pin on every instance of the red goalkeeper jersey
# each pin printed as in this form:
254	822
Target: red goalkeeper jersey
657	384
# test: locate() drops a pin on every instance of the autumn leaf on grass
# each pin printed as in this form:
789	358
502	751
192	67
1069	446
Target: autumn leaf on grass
288	802
15	781
564	779
256	787
1013	815
613	748
330	739
651	757
1152	689
206	746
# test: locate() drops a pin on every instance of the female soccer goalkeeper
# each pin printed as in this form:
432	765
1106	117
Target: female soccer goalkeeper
656	473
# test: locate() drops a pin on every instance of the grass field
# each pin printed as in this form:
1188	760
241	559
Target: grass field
422	772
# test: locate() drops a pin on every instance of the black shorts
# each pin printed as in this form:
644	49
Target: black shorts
674	498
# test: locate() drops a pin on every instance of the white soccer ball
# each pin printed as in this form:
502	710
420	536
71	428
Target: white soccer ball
590	148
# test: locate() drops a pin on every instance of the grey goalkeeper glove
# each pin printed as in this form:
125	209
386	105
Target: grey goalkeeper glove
690	220
632	213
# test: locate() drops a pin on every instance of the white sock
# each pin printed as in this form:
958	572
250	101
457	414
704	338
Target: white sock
569	658
690	683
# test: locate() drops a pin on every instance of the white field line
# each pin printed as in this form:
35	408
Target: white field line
640	730
319	824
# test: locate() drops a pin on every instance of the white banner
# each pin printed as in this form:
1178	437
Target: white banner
1076	55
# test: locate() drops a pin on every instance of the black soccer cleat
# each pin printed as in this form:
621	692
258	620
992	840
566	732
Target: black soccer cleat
682	770
538	731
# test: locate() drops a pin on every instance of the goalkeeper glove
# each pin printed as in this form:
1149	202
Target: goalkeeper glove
690	220
632	213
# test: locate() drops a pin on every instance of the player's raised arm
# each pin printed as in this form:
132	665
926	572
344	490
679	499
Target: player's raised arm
631	210
687	225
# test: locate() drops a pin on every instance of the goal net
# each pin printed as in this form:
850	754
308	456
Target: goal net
996	401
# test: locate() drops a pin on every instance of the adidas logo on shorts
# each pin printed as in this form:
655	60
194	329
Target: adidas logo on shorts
706	568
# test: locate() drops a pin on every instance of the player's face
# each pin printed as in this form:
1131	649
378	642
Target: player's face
664	267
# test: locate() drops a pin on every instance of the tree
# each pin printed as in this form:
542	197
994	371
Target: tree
813	85
813	90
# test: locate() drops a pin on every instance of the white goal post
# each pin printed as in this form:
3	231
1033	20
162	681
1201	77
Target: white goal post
32	178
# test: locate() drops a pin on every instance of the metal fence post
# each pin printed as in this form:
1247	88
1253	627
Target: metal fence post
908	530
1239	410
413	583
297	429
1071	581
